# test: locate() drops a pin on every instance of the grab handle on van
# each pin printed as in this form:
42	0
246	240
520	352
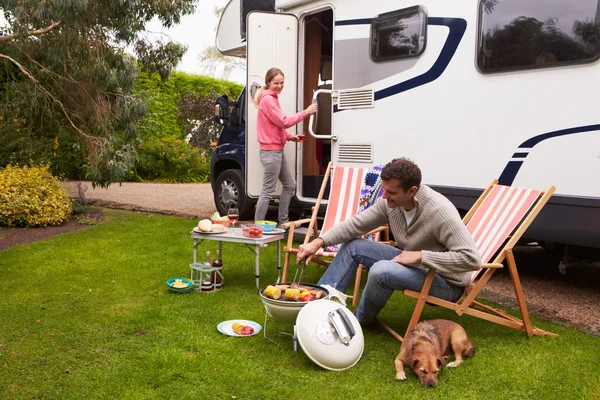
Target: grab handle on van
312	116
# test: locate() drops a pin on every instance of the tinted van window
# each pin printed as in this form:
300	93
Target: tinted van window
517	34
398	34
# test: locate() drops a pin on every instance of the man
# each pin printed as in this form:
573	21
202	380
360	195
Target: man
429	233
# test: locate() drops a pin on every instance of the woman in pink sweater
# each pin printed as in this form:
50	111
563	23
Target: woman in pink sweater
272	136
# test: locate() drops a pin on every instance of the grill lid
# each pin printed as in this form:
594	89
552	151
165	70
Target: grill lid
330	335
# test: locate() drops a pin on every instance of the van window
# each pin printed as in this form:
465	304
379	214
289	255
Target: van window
398	34
517	34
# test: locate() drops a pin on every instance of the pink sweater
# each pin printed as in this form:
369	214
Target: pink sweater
272	122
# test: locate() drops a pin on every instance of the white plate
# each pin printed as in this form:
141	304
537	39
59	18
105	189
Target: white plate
196	230
225	327
276	231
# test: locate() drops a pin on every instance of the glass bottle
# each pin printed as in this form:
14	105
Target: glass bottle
217	278
207	285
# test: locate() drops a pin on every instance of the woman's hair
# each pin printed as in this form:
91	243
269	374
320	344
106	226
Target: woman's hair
271	74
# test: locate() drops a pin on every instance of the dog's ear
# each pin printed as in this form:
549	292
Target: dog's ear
441	362
412	363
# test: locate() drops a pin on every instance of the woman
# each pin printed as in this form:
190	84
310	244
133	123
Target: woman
272	136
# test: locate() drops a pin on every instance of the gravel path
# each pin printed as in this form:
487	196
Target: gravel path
191	200
569	299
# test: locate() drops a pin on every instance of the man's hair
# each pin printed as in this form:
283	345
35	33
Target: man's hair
403	169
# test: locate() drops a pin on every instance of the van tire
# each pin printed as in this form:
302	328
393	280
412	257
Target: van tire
230	191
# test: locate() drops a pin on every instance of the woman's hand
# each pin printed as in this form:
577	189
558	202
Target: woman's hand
298	138
311	109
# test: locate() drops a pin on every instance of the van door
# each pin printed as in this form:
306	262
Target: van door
272	41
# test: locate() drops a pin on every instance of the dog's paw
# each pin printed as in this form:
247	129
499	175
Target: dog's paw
451	365
401	376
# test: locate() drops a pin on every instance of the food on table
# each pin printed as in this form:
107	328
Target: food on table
217	217
218	228
205	225
178	283
252	231
242	329
292	294
272	292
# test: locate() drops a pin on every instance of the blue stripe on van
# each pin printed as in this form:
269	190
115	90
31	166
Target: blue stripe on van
512	168
457	29
362	21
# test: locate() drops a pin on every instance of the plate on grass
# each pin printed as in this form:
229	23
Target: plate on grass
225	327
276	231
196	230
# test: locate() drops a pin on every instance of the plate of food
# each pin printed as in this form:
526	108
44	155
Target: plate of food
276	231
239	328
206	227
212	232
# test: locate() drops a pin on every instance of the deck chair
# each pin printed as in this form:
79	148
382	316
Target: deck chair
497	221
342	204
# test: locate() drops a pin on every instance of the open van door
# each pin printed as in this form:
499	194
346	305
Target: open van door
272	41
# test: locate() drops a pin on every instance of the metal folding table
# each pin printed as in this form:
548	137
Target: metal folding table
234	235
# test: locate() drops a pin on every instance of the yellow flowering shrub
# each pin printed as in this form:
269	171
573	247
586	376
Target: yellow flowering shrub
31	196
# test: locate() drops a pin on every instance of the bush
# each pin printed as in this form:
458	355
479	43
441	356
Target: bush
170	160
31	196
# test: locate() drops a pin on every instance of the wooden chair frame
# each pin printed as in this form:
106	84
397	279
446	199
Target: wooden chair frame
467	304
312	228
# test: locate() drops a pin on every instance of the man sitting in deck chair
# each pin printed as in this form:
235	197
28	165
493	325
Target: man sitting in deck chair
428	230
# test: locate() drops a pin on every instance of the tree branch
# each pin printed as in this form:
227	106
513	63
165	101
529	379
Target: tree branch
92	140
38	32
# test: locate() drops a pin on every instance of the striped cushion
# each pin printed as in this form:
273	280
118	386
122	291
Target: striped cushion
498	216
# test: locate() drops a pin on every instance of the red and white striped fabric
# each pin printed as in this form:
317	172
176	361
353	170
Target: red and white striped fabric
344	196
498	216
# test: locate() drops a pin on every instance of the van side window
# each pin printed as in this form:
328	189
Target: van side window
517	34
398	34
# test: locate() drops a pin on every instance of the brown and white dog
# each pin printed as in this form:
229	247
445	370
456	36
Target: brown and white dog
429	345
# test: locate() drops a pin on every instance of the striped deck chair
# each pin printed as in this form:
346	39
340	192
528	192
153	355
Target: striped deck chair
497	221
344	196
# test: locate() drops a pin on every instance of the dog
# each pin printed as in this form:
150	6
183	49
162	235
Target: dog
428	346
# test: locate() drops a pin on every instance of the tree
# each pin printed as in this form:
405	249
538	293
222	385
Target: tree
211	59
67	81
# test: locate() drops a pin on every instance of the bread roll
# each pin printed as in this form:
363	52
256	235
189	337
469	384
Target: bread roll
205	225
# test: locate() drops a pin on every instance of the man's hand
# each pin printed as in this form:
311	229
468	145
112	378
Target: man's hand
408	258
308	250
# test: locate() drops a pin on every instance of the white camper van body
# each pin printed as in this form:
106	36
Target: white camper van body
530	126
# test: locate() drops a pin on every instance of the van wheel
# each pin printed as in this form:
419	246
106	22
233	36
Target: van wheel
230	191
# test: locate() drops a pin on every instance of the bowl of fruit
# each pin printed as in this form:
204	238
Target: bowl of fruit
216	218
252	231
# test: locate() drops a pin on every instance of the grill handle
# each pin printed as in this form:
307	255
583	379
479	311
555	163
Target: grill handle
343	325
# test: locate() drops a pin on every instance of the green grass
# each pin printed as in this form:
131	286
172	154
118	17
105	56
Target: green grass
87	315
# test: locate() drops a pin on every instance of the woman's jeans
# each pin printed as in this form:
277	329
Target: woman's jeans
385	276
275	167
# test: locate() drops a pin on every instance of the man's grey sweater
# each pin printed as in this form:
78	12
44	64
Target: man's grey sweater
436	230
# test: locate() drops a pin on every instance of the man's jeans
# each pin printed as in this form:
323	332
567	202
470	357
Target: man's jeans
385	276
275	167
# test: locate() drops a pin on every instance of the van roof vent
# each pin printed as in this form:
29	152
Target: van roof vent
355	153
355	98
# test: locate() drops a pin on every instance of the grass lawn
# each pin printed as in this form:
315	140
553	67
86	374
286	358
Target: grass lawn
87	315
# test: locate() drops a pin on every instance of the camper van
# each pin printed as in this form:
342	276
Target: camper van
471	90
